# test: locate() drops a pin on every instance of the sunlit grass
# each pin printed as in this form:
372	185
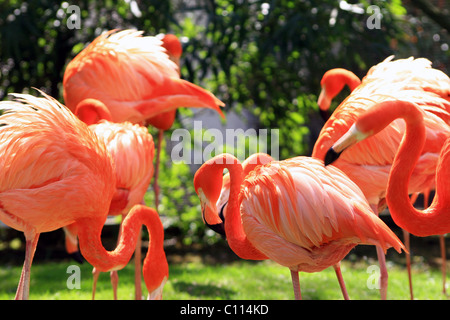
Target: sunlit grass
236	280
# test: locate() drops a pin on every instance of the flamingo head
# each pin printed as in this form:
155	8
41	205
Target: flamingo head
156	294
173	46
333	81
208	186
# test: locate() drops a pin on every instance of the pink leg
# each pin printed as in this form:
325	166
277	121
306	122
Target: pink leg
114	282
296	285
155	178
444	263
382	262
383	273
95	274
137	268
337	269
23	289
408	262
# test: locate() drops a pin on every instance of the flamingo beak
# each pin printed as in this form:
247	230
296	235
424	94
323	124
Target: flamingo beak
213	220
323	101
351	137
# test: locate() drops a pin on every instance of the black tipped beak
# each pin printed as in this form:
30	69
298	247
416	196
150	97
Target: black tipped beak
331	156
77	257
218	228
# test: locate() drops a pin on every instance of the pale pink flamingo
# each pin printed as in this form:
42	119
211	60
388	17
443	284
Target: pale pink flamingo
369	162
54	171
296	212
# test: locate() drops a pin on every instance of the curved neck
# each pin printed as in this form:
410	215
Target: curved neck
333	81
155	263
91	111
237	239
432	220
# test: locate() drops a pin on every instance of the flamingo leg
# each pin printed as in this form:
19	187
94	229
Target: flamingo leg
137	268
23	289
337	269
95	274
114	282
155	179
444	263
383	273
382	263
408	262
296	285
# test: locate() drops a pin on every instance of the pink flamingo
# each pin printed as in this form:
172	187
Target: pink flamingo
51	159
369	162
136	81
132	149
296	212
432	220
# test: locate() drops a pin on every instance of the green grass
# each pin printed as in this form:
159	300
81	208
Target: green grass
236	280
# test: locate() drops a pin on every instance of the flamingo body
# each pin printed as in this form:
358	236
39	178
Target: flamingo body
133	76
368	163
307	217
41	173
132	148
434	219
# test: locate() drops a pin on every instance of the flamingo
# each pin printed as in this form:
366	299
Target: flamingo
433	220
369	162
132	149
54	171
333	81
135	79
296	212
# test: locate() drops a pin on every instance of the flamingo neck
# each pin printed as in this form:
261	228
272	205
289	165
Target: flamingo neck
155	263
237	239
336	79
420	223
